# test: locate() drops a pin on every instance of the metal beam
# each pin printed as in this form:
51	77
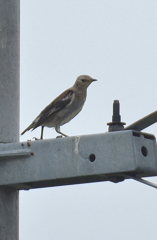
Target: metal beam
78	159
143	122
9	108
141	180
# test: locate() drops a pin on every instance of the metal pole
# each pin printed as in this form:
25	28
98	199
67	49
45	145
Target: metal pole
9	108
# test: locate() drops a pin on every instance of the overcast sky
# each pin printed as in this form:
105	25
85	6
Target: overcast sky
115	42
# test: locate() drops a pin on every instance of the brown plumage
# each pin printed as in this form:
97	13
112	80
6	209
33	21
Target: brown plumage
63	108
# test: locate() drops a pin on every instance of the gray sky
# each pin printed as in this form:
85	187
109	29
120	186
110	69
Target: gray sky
115	42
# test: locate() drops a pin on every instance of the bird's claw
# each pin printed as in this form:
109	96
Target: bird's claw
59	136
36	138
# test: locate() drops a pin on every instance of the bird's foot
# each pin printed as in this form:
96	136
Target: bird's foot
36	138
59	136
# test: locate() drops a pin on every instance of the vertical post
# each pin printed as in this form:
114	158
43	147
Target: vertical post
9	108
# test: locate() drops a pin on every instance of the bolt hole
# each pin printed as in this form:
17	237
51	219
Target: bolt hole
144	151
92	157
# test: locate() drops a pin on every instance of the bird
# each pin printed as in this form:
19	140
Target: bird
63	108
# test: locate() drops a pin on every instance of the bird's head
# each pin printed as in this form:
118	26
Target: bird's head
84	81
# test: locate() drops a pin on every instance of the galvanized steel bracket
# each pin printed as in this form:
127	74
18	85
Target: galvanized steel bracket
78	159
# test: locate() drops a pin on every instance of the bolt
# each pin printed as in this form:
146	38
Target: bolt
116	124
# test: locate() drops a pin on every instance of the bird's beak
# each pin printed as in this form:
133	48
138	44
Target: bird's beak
93	80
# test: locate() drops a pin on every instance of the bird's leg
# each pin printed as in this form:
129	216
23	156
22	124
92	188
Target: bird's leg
41	137
58	130
42	130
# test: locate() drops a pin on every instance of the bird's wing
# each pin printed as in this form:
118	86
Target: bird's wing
58	104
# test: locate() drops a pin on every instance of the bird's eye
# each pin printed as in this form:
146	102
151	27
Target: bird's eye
83	80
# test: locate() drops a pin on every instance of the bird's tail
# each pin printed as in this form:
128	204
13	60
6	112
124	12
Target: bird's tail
31	126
